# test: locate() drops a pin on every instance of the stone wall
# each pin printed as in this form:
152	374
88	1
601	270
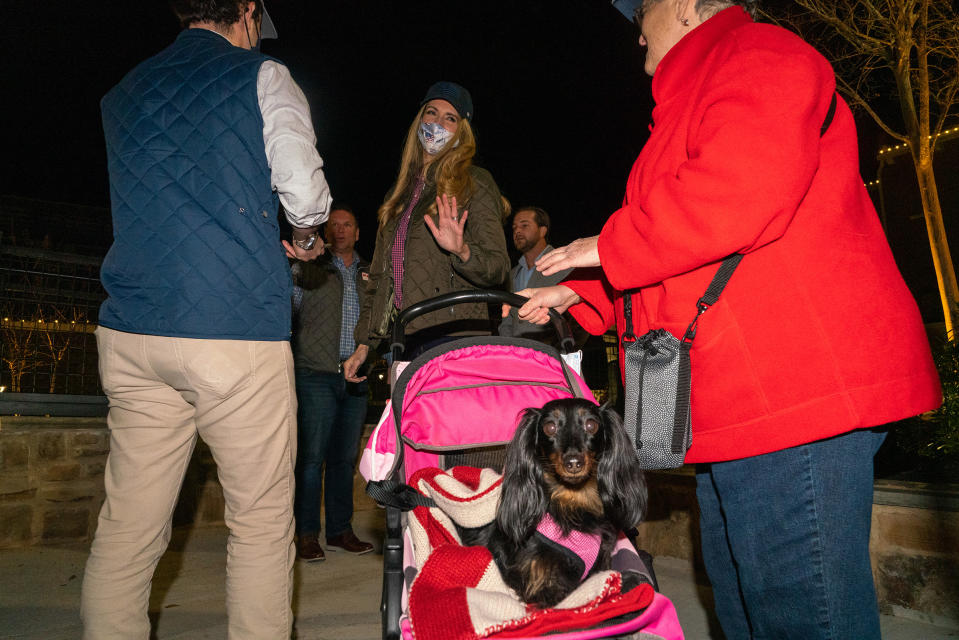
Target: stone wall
51	481
915	552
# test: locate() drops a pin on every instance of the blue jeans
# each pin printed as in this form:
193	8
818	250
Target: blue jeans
330	420
785	540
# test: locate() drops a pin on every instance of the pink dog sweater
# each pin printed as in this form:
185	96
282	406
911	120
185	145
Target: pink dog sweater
584	546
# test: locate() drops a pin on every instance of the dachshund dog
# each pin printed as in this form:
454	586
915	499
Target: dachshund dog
571	483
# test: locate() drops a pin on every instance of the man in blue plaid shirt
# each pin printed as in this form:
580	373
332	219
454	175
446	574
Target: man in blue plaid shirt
326	299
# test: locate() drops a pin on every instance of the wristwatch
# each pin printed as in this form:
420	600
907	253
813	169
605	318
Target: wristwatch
307	243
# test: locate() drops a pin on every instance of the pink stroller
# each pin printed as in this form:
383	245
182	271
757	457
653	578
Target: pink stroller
434	459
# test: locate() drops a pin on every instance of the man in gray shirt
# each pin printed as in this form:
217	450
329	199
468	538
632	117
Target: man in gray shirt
531	238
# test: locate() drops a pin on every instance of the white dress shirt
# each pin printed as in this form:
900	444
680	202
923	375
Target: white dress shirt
290	143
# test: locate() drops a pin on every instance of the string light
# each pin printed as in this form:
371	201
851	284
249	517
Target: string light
892	148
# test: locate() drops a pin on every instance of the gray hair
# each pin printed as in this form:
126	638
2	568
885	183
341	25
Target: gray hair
706	9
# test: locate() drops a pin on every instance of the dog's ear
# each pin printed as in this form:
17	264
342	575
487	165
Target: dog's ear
522	501
622	486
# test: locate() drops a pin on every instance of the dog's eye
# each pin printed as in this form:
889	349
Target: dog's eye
591	426
549	428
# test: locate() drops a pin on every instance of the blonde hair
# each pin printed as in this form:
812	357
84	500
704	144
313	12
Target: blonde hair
450	169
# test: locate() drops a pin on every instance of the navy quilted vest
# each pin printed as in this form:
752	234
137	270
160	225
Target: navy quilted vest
196	250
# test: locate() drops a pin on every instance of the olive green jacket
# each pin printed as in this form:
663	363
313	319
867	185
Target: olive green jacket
430	271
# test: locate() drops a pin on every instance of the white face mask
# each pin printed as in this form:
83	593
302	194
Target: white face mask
433	137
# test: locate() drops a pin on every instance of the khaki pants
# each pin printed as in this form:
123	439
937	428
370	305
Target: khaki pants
239	396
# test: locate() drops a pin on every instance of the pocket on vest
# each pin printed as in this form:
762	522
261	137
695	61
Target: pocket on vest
253	229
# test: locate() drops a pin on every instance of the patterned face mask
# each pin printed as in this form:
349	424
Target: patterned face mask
433	137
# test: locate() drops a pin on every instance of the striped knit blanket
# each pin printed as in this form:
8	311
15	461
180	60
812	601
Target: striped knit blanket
458	593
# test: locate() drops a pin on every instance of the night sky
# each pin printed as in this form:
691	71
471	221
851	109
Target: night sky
562	103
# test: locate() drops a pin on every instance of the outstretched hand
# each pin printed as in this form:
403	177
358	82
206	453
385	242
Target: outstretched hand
583	252
541	300
449	225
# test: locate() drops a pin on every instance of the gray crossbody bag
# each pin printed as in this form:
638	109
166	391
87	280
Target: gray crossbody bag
658	381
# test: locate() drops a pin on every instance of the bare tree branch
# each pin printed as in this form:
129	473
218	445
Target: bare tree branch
856	97
905	54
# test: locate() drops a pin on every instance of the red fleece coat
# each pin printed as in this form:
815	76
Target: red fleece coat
816	333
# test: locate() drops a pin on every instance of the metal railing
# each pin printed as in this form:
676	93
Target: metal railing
48	311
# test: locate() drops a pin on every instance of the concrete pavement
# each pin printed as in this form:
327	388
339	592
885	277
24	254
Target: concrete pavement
333	600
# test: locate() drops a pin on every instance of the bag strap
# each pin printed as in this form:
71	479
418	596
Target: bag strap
711	296
829	115
722	276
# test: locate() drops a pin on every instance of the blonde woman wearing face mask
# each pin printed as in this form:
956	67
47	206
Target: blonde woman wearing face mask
440	230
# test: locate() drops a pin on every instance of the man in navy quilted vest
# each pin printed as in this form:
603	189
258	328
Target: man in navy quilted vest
204	141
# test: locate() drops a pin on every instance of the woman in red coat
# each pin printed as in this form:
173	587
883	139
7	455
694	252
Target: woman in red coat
815	339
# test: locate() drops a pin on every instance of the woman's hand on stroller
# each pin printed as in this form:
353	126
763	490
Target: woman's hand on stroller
352	364
541	300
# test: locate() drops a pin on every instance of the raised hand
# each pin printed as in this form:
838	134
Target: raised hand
449	225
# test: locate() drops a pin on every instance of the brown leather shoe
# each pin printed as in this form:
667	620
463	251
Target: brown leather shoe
348	542
308	548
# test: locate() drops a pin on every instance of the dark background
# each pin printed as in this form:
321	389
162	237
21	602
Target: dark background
562	103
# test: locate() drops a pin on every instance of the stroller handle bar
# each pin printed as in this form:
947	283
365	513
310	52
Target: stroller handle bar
472	295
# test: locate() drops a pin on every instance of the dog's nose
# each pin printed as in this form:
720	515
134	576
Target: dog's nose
573	462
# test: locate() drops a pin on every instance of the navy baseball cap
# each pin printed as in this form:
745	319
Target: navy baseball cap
453	93
627	7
